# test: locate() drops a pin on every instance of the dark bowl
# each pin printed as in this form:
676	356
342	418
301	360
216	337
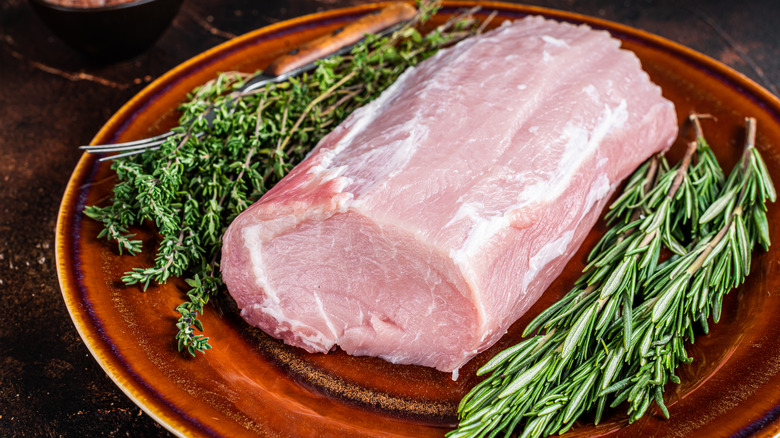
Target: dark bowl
110	32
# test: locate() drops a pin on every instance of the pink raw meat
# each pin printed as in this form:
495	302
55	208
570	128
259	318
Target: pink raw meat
431	219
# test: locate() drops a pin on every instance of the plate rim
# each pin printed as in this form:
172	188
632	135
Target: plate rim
174	422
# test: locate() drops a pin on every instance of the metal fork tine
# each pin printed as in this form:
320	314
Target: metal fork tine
127	154
128	145
116	148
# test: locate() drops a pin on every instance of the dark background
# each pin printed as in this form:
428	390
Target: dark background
53	99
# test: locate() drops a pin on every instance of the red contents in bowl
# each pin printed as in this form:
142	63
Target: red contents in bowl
87	3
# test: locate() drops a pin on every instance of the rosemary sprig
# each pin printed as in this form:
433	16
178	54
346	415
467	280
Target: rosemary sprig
202	178
620	334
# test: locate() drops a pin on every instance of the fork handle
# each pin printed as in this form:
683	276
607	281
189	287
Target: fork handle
344	36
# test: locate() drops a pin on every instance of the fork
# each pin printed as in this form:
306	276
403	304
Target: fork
383	22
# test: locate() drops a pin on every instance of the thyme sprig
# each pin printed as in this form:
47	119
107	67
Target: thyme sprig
203	177
620	334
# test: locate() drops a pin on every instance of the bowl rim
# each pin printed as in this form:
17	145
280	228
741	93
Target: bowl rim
70	9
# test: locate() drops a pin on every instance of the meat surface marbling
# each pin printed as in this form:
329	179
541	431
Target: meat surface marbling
432	218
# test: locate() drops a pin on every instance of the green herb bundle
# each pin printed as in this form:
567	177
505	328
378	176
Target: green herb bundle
203	177
619	335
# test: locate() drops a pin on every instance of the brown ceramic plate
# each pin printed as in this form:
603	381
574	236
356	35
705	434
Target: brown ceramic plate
251	385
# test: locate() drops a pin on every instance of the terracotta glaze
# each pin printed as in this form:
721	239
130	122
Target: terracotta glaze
252	385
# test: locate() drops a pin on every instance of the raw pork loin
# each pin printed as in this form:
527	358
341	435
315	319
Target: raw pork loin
431	219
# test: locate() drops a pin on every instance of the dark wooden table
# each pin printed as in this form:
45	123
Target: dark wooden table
52	99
